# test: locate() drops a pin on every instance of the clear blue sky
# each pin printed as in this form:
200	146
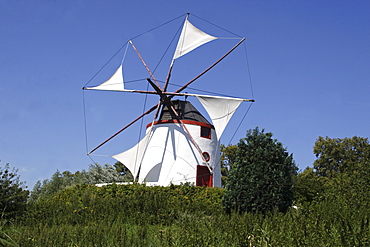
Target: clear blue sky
309	63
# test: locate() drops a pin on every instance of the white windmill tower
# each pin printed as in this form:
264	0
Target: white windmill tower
180	144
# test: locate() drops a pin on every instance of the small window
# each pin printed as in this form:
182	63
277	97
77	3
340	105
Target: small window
206	156
205	132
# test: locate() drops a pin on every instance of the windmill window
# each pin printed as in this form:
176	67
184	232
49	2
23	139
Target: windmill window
206	156
205	132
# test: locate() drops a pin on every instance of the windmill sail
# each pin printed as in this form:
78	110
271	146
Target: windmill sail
220	109
114	83
133	157
191	38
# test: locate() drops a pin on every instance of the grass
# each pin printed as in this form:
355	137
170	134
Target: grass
136	215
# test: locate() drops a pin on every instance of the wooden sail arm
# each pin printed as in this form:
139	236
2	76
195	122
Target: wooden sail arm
145	65
168	78
155	92
196	145
174	112
165	100
210	67
157	89
118	132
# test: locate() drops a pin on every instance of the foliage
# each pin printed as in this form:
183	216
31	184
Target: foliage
262	177
345	166
95	175
228	155
308	187
137	215
5	231
332	210
13	195
160	204
340	156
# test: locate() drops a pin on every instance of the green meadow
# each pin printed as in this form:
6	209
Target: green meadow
138	215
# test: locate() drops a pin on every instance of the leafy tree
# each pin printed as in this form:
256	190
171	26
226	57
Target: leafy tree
261	179
103	174
308	187
57	182
345	165
95	175
340	156
228	155
13	194
123	171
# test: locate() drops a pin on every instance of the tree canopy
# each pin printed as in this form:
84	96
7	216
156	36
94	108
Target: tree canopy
337	156
262	176
95	175
13	195
228	156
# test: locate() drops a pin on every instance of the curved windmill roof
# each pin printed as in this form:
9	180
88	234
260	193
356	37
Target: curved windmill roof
185	110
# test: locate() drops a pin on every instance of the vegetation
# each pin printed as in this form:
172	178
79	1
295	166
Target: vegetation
261	179
331	208
136	215
336	156
95	175
228	156
342	167
13	195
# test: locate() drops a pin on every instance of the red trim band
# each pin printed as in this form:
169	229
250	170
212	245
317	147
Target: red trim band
183	121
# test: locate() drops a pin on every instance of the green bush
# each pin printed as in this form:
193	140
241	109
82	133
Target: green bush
262	176
13	195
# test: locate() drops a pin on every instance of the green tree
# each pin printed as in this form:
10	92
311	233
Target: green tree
124	172
13	193
345	165
308	187
261	179
340	156
228	156
95	175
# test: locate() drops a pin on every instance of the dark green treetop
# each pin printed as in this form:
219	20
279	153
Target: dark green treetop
13	194
261	179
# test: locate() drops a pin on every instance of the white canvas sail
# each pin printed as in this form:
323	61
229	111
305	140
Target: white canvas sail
114	83
220	109
133	157
170	156
191	38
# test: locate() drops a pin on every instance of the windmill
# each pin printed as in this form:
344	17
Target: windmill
180	145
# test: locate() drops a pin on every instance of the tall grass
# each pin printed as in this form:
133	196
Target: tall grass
136	215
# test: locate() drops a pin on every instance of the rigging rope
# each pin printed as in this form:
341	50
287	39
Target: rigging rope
217	26
139	135
249	72
218	163
160	60
85	122
115	54
158	26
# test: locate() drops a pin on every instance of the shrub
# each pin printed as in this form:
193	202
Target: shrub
261	179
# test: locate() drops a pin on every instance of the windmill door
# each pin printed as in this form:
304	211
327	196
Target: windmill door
204	177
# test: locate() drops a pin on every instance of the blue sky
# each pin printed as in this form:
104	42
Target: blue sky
309	63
